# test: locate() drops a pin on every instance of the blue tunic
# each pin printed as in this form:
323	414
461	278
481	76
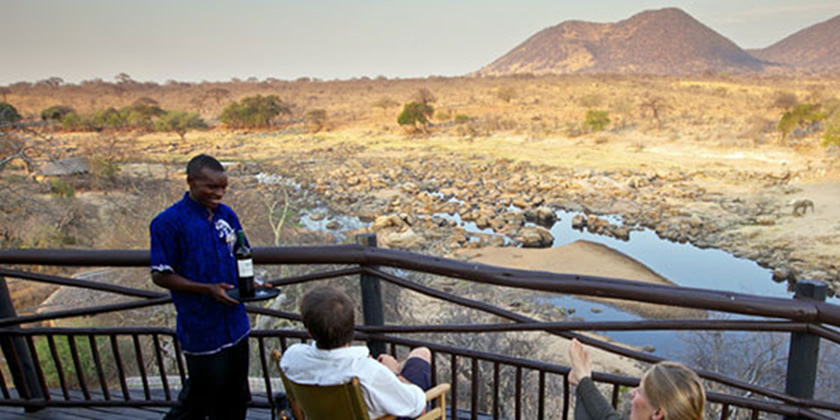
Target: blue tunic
185	241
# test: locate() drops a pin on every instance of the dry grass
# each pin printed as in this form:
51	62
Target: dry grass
536	107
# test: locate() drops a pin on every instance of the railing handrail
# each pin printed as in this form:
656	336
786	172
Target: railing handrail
803	315
602	287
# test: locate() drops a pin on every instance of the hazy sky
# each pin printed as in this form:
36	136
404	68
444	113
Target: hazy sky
195	40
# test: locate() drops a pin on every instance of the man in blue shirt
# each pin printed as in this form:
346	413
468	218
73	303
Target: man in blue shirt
192	255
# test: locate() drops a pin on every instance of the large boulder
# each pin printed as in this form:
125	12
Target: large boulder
69	166
399	239
541	215
535	237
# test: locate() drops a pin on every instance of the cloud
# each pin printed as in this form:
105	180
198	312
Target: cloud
766	12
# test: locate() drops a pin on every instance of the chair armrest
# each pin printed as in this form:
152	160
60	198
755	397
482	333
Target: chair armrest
437	391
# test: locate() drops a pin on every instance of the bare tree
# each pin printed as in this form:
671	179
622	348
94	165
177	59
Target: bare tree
424	96
756	358
218	94
656	107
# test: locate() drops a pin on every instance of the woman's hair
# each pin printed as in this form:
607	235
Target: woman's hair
676	390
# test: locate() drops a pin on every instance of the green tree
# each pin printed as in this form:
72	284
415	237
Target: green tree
8	114
141	113
415	115
179	122
56	113
254	112
108	118
74	122
596	120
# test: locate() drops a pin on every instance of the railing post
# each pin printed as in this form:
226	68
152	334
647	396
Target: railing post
372	298
17	354
804	348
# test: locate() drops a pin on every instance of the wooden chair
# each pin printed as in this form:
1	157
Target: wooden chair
345	401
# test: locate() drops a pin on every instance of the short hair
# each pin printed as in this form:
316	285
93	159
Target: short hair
676	390
329	316
198	163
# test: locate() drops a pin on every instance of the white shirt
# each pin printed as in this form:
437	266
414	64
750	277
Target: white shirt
384	393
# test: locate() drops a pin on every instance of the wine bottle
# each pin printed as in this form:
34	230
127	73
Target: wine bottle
244	266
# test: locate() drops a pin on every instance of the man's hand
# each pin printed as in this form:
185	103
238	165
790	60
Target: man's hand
392	364
580	361
217	291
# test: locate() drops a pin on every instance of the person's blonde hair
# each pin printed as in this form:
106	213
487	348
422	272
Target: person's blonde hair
675	390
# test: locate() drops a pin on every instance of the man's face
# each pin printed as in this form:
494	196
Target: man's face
208	187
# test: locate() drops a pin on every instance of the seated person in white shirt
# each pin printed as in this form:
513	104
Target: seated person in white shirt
389	387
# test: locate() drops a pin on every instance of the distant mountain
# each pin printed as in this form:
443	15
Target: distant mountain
815	48
666	41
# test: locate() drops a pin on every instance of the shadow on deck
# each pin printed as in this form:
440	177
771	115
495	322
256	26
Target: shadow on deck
110	413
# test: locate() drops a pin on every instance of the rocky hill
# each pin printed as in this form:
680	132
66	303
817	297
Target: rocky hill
815	48
666	41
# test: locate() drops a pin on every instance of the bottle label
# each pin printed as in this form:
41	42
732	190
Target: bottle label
246	267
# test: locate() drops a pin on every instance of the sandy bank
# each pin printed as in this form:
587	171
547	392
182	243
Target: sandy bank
586	258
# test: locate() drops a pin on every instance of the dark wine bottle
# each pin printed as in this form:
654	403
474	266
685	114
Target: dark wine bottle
244	266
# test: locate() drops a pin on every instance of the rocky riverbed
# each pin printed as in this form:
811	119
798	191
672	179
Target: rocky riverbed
741	205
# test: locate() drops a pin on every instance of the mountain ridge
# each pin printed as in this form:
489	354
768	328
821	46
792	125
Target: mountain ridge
665	41
815	48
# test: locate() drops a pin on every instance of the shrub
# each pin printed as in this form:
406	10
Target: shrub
462	119
86	361
800	116
445	115
179	122
108	118
416	115
831	136
103	168
254	112
592	100
8	113
316	120
596	120
506	94
60	188
56	113
784	100
385	103
72	121
141	113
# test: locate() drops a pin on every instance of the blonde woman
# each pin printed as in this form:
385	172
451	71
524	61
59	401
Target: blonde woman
668	391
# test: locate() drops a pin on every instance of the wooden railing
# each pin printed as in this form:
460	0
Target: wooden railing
481	379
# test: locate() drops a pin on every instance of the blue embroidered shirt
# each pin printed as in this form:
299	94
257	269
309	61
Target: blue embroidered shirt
185	241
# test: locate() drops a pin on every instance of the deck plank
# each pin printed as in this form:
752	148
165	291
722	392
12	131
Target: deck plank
103	413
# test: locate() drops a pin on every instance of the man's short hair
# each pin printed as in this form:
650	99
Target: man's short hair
198	163
329	316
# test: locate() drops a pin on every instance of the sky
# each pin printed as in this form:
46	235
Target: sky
216	40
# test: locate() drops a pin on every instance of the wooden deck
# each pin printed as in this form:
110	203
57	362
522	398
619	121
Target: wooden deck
97	413
102	413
